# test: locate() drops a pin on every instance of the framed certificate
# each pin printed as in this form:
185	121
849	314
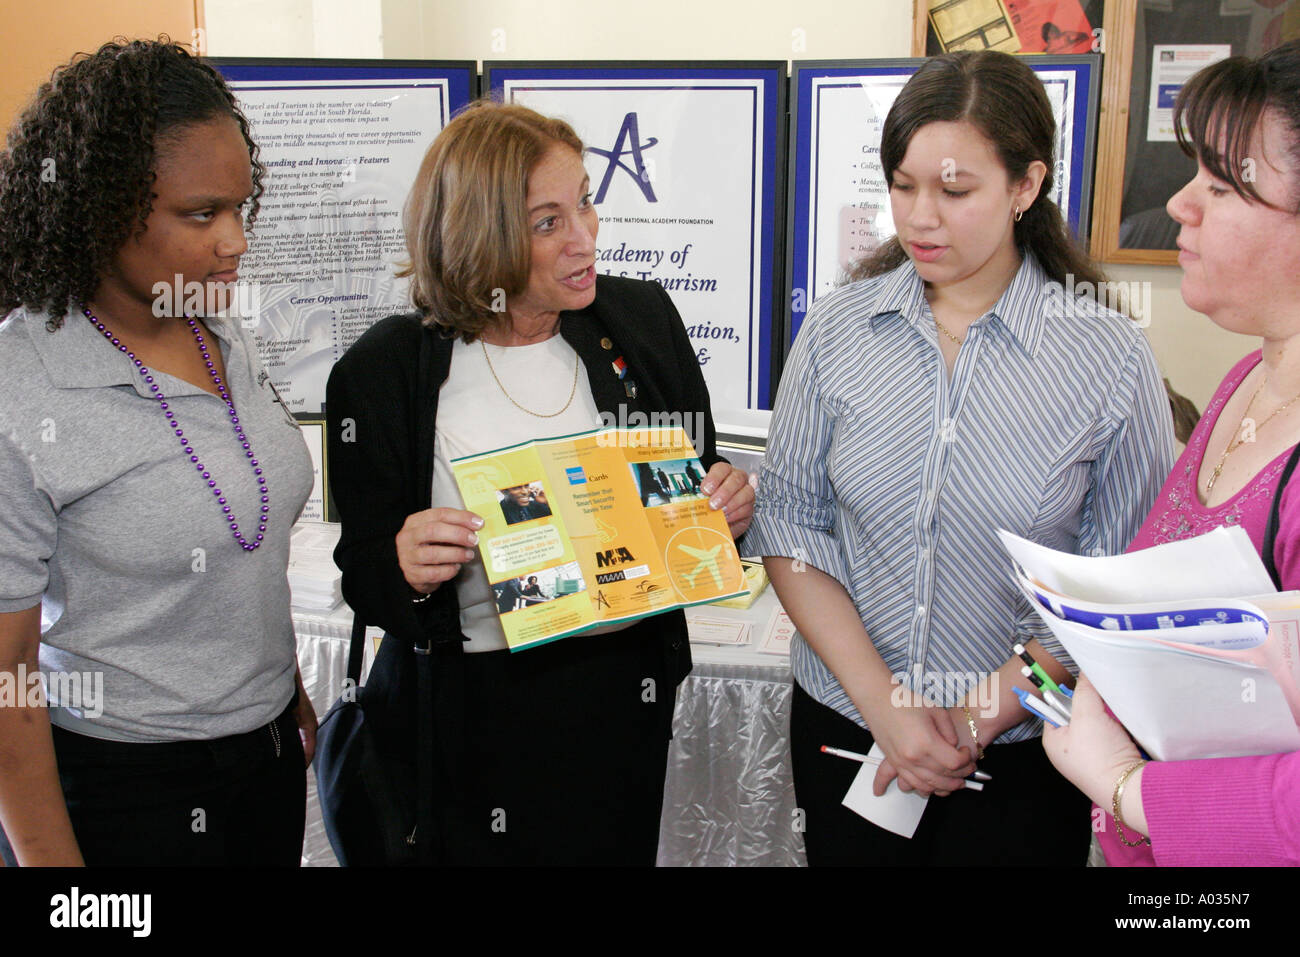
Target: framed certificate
341	141
686	163
839	203
319	507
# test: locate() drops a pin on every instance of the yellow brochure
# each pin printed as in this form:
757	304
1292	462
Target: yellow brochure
601	527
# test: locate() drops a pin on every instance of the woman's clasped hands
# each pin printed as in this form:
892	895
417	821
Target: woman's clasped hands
927	748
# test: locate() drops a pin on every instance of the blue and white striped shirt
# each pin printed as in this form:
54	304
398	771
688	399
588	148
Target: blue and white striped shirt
892	478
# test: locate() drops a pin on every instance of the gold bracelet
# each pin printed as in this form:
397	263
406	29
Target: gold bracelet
1114	808
974	731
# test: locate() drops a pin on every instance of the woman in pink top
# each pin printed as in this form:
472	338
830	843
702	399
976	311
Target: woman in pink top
1240	252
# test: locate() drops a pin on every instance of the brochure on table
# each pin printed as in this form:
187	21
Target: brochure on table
596	528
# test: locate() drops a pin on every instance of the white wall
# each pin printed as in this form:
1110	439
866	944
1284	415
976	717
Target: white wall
260	28
646	29
1192	353
295	28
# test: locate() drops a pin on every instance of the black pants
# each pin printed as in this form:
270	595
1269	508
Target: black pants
227	801
1027	815
564	753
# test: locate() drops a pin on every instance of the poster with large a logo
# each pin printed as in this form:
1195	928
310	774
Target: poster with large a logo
684	164
341	141
839	210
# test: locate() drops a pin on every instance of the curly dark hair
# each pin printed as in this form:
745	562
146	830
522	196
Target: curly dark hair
77	174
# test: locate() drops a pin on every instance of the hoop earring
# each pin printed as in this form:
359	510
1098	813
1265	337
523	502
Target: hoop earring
1019	214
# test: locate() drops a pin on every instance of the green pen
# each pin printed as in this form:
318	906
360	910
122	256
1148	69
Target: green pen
1035	667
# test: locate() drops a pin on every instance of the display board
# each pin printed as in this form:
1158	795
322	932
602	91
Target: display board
341	141
686	163
1152	48
839	202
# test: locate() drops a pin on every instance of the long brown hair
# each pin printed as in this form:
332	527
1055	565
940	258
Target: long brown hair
1002	98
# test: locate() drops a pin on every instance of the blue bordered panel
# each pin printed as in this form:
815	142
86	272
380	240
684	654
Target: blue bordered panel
687	164
457	78
1075	80
341	141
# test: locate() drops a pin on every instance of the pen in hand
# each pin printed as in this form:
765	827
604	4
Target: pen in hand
975	782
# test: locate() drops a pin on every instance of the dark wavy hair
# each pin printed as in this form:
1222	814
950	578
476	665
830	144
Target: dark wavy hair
1219	109
1002	98
77	174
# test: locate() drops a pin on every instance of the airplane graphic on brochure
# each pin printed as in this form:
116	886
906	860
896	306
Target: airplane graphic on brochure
708	561
604	526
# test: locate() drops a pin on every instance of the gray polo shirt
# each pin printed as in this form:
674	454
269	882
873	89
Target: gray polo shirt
107	525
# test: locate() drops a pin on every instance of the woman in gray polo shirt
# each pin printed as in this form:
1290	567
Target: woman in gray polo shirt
150	476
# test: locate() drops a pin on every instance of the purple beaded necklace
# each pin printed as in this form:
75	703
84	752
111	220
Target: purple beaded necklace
244	543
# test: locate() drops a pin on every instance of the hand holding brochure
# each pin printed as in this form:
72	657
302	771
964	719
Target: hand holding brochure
601	527
1184	641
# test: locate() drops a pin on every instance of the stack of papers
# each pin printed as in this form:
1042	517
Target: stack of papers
1188	643
315	583
713	630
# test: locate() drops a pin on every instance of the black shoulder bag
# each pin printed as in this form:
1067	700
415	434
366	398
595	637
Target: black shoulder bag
375	783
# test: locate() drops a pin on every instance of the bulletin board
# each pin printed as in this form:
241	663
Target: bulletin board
1149	48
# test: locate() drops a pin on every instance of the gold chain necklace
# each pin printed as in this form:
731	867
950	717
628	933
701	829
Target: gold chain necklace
944	330
541	415
1233	446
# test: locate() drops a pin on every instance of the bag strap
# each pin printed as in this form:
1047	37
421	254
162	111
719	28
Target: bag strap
357	650
1274	519
428	836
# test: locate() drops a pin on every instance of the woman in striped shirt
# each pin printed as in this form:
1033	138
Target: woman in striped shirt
957	386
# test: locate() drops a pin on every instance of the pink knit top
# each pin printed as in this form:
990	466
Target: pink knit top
1220	811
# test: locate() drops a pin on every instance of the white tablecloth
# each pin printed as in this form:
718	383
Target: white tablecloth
728	796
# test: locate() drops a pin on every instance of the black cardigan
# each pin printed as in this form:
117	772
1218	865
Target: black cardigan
381	406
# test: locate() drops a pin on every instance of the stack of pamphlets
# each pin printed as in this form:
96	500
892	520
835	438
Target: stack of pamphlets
1189	643
315	582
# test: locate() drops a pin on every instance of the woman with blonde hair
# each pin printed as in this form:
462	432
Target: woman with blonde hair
555	754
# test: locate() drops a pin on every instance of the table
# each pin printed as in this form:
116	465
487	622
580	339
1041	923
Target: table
728	794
